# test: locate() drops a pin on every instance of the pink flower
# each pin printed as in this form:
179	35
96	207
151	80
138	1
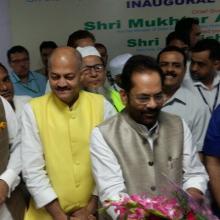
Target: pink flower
191	216
158	207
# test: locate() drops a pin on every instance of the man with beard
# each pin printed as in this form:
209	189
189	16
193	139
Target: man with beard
133	151
25	82
172	61
55	143
93	74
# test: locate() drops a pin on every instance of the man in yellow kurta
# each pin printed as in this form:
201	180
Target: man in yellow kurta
55	143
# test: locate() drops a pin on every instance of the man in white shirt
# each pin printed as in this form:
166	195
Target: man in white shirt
204	81
11	200
133	151
172	61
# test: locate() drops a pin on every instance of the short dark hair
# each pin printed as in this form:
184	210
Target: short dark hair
16	49
47	44
100	45
184	27
138	63
173	49
175	36
77	35
3	67
212	45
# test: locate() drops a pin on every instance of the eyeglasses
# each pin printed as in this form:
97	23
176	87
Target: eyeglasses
145	99
97	68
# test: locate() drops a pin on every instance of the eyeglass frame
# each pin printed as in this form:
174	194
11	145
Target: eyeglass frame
94	67
145	99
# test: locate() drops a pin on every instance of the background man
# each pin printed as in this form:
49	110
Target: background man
172	61
12	204
177	40
81	38
25	82
190	30
55	142
133	151
46	48
205	82
7	91
103	52
116	65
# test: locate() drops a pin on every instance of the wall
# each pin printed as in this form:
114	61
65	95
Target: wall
5	36
137	26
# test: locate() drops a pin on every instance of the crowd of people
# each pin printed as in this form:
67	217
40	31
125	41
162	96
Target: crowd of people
82	129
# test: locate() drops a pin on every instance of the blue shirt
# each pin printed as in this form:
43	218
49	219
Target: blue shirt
212	139
34	87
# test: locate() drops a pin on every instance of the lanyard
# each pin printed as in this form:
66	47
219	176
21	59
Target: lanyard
205	101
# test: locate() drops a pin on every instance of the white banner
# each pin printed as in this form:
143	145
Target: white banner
136	26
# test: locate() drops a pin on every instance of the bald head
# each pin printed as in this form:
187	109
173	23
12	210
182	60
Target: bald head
64	74
62	55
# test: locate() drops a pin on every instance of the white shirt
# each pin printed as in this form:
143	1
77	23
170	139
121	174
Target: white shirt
205	92
187	73
33	161
11	174
19	102
195	113
108	174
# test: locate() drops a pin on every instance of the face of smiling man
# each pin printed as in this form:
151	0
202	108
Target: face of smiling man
6	86
172	65
64	74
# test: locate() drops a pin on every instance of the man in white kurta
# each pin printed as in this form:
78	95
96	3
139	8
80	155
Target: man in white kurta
55	142
9	179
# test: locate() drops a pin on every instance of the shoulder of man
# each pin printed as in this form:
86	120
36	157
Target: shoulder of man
40	99
193	102
93	97
38	75
165	117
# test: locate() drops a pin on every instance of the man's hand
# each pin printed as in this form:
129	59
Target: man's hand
87	213
4	189
83	214
56	212
196	195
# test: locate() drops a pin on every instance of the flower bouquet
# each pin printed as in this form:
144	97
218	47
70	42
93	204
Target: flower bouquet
180	206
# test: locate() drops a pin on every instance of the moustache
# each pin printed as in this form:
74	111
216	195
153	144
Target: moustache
172	74
62	89
5	93
150	111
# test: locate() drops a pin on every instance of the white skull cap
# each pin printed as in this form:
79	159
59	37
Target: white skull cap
88	51
117	63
